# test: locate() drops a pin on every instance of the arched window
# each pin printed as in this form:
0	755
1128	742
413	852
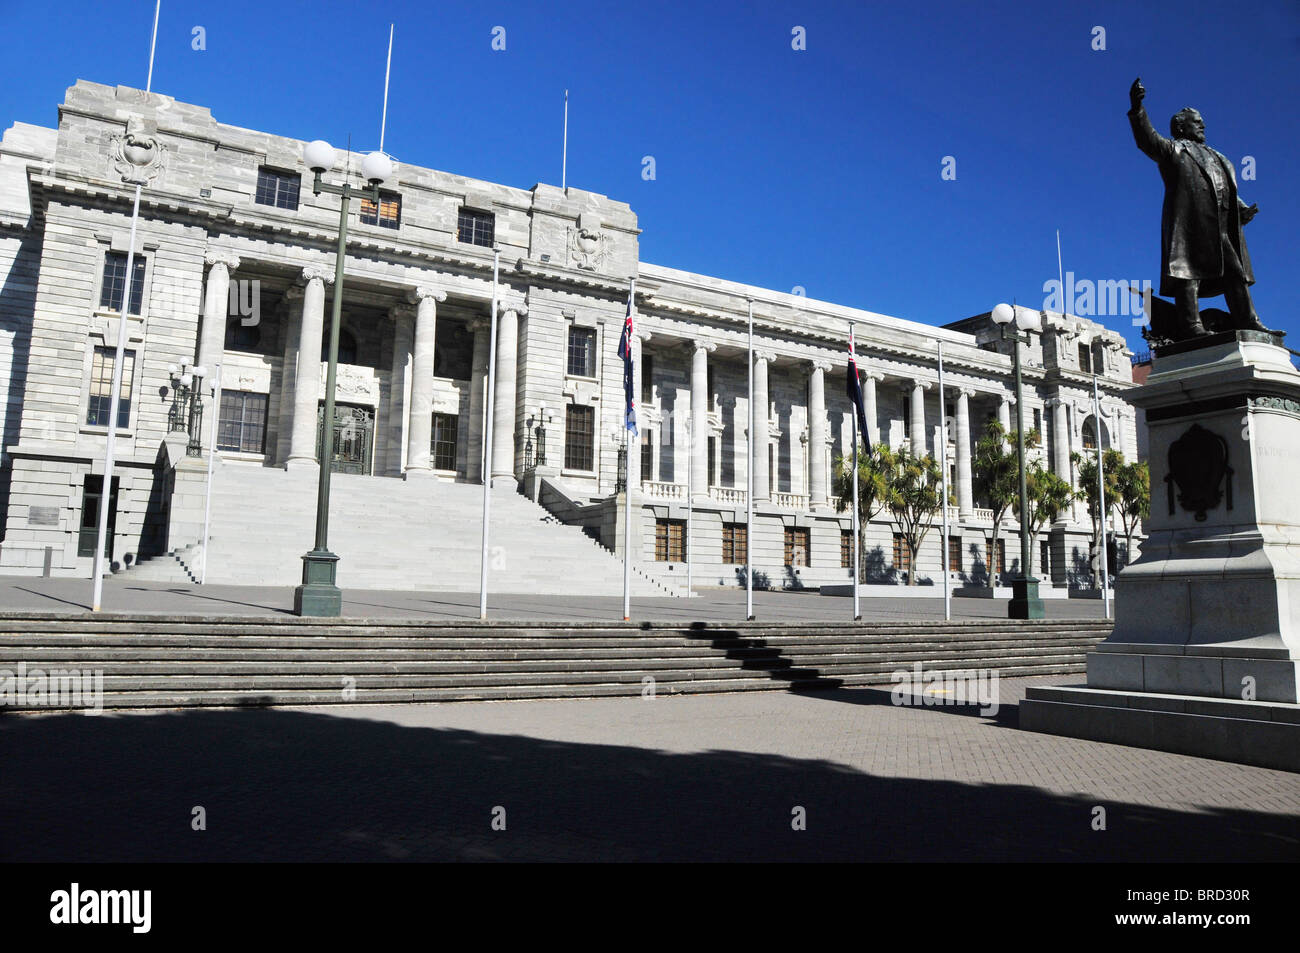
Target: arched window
347	347
1090	434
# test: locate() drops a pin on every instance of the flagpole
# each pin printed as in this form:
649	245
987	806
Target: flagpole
631	455
943	474
106	498
1101	498
749	476
564	161
690	505
857	527
388	69
487	437
212	456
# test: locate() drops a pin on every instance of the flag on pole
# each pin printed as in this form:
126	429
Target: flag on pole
625	352
854	390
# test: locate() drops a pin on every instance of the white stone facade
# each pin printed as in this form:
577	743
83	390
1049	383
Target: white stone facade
232	280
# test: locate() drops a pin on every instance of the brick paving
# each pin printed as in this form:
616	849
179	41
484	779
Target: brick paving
124	595
713	777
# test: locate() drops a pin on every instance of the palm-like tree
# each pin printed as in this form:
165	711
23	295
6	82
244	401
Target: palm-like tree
914	493
995	473
1112	462
1047	495
873	467
1133	484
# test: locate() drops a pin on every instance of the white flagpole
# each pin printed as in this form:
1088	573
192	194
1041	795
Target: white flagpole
564	161
487	437
212	456
106	498
1101	498
383	122
943	474
857	527
690	505
749	476
1060	271
633	473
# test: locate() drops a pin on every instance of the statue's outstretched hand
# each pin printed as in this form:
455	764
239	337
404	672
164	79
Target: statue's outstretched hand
1249	212
1136	93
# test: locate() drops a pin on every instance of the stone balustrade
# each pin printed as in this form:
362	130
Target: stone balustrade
654	490
792	501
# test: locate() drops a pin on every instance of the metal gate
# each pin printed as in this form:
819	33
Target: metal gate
354	438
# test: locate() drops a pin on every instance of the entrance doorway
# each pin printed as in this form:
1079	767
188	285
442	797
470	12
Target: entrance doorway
353	438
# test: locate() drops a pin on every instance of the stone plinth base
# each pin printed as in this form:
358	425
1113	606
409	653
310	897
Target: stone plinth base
1265	734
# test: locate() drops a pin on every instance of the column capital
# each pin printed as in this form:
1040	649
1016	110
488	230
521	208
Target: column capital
221	256
643	335
921	385
294	293
707	346
518	307
820	364
966	393
316	272
401	312
873	375
420	292
763	354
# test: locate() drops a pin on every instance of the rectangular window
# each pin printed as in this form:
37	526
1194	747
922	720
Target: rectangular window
101	388
1038	421
442	441
387	214
242	425
905	412
1085	358
647	456
846	549
735	543
796	546
647	382
670	541
114	282
582	352
902	555
1001	560
579	437
712	388
954	554
92	494
1045	559
278	189
476	228
713	461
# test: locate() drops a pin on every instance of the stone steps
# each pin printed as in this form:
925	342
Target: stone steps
176	662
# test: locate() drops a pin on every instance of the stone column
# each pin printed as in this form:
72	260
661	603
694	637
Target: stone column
477	403
1004	413
817	434
700	420
869	404
399	387
419	428
504	411
288	371
1061	436
965	495
918	418
216	305
306	391
762	414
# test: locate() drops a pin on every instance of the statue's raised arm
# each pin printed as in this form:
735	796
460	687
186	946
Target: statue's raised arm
1144	134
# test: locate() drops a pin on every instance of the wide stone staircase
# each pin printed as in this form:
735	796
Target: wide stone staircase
393	534
177	662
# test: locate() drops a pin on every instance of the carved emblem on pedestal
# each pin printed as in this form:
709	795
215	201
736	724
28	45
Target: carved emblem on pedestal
137	157
1198	464
587	243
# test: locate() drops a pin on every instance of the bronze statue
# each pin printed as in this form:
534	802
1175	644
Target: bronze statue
1202	250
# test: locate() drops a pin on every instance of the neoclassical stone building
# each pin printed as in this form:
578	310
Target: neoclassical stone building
234	266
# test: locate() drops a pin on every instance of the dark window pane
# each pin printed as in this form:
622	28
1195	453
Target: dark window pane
278	189
443	441
101	388
241	426
476	228
388	214
579	437
114	282
582	352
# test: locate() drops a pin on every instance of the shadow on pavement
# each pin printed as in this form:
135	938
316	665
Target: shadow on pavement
283	784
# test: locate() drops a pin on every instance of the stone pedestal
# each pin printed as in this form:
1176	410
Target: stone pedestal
1203	657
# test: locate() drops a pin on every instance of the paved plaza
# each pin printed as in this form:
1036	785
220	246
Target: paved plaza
711	605
715	777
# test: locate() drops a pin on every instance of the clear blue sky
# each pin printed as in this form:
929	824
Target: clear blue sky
818	168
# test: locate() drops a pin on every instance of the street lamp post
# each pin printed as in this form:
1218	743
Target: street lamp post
1025	602
319	595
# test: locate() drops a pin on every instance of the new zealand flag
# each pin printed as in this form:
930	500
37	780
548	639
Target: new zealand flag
625	352
853	387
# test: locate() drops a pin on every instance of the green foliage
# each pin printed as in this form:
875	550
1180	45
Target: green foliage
914	493
1133	484
872	482
995	471
1047	496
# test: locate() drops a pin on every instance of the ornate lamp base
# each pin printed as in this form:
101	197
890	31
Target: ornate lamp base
318	595
1025	603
